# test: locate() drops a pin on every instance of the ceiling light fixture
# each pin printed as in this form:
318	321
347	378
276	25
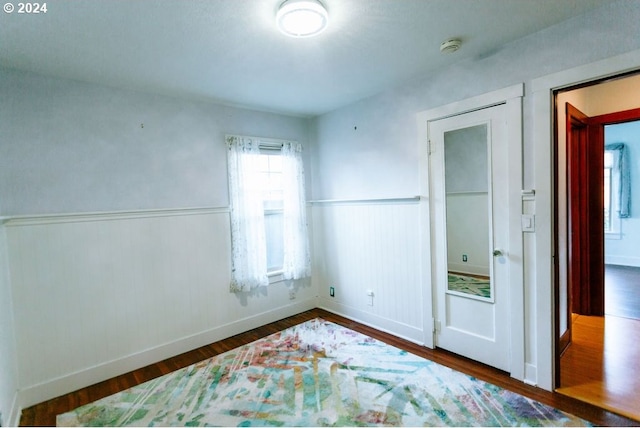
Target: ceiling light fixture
302	18
450	46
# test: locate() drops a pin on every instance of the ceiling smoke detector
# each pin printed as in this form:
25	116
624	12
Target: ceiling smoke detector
450	46
302	18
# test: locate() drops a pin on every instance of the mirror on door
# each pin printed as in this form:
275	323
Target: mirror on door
468	212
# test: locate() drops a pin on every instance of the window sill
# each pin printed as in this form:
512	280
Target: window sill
613	235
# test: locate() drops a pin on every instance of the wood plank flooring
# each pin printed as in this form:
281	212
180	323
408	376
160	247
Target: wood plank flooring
622	291
44	414
601	365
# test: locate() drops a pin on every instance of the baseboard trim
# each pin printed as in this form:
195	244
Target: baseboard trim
622	261
35	394
404	331
530	375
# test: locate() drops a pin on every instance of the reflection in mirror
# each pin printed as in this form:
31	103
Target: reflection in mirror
468	211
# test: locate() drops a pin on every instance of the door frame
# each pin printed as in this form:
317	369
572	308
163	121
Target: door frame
587	253
585	157
543	134
511	97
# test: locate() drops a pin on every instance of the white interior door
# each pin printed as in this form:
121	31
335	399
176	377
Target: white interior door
470	202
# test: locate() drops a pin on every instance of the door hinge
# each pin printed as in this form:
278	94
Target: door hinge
429	148
436	325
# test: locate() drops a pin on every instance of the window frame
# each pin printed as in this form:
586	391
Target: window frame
272	149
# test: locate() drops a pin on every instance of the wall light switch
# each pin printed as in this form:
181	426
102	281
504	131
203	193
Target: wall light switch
528	223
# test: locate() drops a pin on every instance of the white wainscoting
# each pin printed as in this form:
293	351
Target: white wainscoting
374	245
9	410
468	232
97	295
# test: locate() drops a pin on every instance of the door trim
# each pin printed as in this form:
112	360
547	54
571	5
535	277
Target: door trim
512	98
585	157
542	90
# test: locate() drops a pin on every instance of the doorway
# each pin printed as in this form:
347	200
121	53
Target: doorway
598	348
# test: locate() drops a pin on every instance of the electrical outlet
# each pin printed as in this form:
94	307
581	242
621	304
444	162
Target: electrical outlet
464	258
292	294
332	292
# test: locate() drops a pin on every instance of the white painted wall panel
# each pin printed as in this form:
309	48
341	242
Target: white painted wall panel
8	361
97	296
371	246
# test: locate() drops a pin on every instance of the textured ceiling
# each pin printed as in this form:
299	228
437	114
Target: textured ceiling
229	51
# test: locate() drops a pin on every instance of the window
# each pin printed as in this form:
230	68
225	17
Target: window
271	180
267	211
611	222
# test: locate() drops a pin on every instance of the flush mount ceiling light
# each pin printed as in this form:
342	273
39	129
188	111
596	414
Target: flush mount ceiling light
302	18
450	46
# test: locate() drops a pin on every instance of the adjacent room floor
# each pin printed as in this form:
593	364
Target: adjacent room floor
622	291
601	365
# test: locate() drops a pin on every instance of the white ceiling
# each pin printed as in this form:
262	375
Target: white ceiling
229	51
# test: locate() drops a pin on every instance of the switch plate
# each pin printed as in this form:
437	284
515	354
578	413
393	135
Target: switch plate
528	223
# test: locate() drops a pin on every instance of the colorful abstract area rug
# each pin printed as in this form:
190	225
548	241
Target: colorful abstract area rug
316	374
469	285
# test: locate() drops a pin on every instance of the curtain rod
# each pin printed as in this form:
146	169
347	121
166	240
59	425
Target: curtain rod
264	142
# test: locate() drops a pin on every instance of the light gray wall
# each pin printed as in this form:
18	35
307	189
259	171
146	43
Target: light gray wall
70	147
380	158
8	364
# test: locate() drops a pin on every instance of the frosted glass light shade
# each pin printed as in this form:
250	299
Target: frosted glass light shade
302	18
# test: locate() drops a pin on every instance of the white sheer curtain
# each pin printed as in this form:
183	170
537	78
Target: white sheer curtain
248	244
297	258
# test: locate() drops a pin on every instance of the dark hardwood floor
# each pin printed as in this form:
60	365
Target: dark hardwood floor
622	291
44	414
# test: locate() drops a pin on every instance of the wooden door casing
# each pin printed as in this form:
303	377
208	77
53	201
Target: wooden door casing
585	193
